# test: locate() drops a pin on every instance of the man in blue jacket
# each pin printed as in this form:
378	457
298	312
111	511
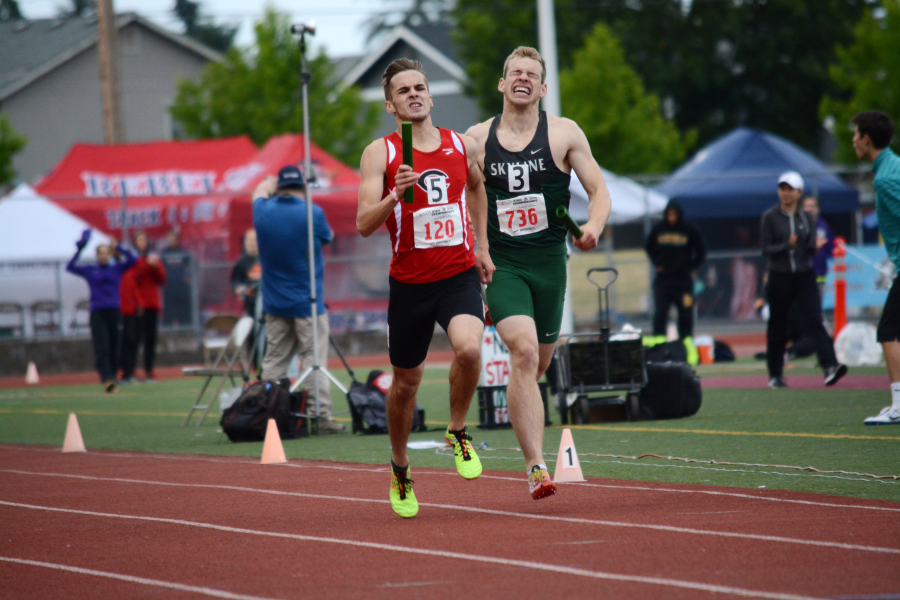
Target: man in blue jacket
103	281
279	217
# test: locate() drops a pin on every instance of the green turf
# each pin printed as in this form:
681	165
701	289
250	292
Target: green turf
821	429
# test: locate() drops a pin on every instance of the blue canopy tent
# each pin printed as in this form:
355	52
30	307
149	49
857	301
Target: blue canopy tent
735	177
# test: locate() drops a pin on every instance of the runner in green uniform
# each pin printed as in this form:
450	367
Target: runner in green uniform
526	156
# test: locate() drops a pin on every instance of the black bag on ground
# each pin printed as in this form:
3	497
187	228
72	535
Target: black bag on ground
666	352
246	420
368	405
672	391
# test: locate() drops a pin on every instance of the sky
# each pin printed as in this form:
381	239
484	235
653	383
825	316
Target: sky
339	23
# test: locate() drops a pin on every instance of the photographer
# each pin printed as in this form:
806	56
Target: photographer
280	220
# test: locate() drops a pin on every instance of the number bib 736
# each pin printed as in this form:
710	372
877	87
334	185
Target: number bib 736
438	226
522	215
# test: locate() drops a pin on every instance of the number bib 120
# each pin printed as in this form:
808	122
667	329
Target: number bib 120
438	226
522	215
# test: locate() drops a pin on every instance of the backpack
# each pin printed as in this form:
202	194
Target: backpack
672	391
246	420
368	405
666	352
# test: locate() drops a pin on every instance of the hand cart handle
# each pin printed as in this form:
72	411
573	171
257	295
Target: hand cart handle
615	275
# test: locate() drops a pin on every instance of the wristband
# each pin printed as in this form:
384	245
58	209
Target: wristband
394	195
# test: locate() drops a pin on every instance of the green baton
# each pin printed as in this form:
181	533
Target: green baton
571	225
407	157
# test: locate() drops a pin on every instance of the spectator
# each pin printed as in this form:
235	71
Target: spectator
279	217
789	243
676	250
141	301
247	272
177	311
824	241
103	281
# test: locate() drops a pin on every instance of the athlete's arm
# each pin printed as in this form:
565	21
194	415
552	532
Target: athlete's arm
373	210
479	134
582	161
477	201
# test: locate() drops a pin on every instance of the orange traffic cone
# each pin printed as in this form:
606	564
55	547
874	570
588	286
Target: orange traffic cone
31	374
273	450
567	467
73	441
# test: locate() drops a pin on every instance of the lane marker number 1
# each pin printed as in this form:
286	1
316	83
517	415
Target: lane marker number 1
570	457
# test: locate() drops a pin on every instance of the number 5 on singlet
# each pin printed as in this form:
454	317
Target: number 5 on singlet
438	226
522	215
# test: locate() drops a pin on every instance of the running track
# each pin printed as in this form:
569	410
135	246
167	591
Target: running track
126	525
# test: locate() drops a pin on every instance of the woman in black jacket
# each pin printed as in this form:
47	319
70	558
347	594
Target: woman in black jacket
789	243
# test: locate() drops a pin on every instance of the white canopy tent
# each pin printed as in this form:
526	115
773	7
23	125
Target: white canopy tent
37	239
630	200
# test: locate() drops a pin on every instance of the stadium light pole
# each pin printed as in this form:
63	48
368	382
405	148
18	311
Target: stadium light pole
302	29
547	43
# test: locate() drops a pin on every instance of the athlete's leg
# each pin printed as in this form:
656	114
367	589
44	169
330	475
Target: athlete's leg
526	411
465	332
545	355
401	403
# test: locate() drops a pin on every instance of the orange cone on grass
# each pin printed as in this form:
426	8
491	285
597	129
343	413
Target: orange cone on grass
568	469
31	374
273	450
73	441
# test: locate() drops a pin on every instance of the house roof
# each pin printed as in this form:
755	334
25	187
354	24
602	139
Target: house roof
31	49
433	41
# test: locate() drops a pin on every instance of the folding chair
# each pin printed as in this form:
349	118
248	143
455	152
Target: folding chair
227	365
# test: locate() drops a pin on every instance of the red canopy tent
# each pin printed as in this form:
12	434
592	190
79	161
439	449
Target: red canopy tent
201	188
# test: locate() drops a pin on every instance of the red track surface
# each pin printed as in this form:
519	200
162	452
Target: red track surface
190	527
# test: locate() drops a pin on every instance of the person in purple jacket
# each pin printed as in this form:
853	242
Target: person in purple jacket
103	280
824	241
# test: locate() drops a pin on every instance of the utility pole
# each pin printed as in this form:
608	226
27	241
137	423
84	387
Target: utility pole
547	43
108	51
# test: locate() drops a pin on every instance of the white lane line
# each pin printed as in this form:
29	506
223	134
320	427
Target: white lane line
448	472
691	585
474	509
132	579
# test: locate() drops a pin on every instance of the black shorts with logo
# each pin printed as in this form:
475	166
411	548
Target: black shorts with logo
889	325
414	308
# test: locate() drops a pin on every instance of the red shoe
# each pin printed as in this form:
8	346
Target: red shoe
539	483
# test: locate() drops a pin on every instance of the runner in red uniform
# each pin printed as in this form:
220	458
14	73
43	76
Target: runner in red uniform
436	268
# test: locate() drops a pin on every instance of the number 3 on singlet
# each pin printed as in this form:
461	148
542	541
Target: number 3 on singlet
438	226
522	215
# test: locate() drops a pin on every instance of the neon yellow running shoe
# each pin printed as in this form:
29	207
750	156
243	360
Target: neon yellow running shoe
539	484
467	462
403	500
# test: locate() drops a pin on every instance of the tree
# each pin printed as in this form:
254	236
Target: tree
257	92
624	125
11	143
868	74
202	28
715	64
9	10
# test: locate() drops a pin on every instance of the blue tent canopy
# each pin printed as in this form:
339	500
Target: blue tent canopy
736	177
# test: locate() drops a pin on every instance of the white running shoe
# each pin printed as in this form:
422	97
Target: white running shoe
888	416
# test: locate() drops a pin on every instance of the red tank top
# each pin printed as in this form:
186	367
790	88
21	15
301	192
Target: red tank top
431	238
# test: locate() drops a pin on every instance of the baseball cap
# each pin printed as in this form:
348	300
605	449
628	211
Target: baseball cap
290	177
792	178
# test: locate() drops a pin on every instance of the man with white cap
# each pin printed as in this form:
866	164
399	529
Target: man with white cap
789	242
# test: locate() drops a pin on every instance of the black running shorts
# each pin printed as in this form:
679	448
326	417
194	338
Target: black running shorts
414	308
889	325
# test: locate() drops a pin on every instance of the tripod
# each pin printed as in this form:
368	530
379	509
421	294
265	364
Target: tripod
315	368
